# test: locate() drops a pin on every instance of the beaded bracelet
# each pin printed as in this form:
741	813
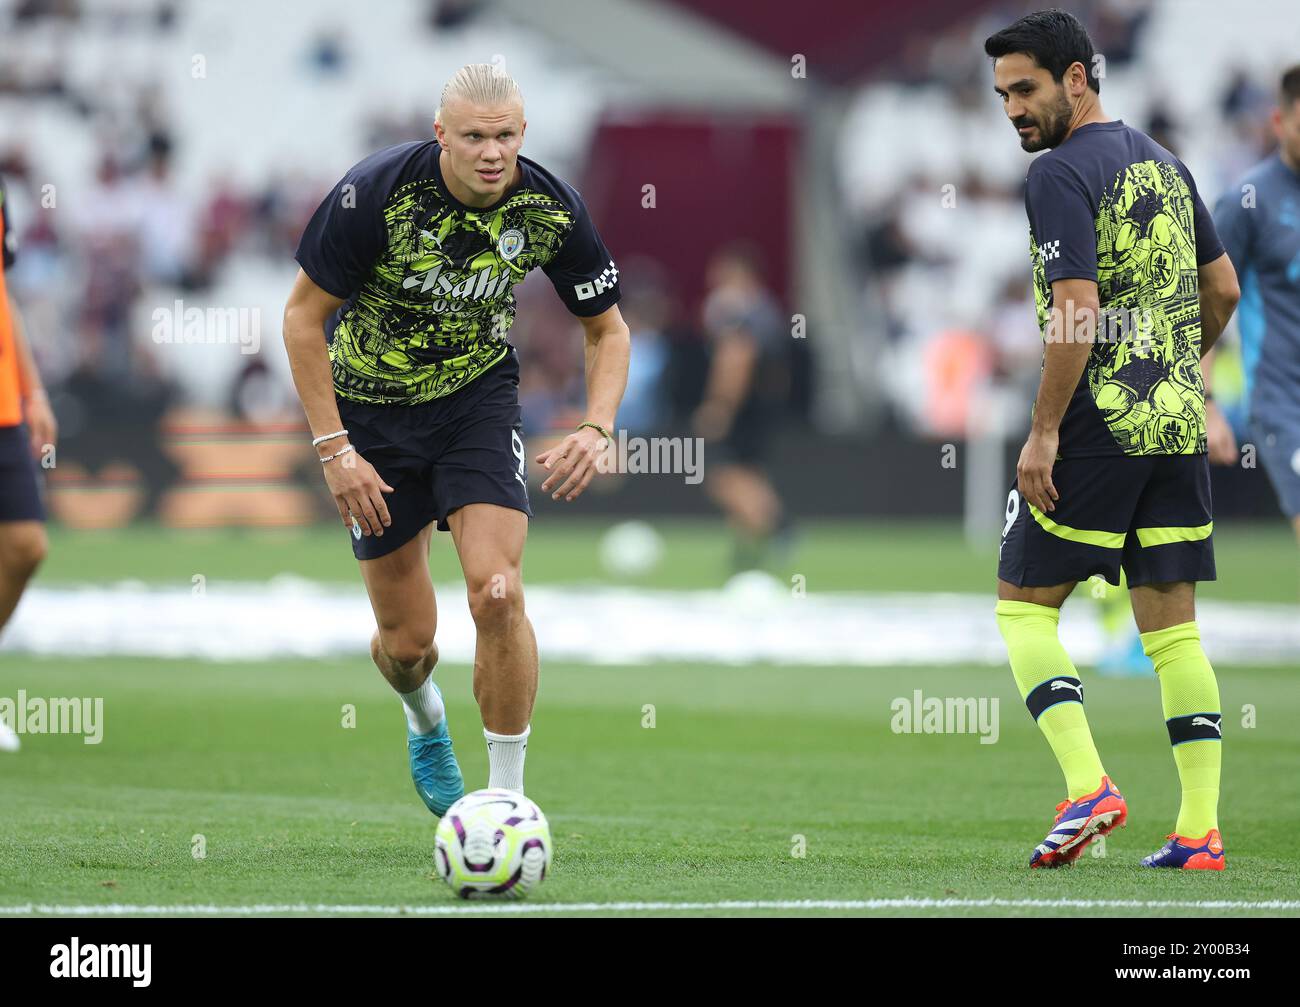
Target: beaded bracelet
338	454
598	428
328	437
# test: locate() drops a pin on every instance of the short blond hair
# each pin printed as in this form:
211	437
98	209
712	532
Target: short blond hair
480	84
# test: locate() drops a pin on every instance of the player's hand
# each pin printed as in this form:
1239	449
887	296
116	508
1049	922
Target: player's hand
1034	470
358	491
572	463
42	425
1220	440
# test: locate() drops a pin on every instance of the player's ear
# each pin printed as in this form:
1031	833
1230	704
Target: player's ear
1078	79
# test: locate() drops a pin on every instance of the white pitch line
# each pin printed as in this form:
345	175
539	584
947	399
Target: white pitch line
539	908
759	621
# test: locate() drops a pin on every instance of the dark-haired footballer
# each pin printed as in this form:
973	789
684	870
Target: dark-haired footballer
1133	288
27	430
408	267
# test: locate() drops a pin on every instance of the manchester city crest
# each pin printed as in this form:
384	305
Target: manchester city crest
511	243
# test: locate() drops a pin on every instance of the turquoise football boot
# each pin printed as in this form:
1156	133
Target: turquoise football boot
433	766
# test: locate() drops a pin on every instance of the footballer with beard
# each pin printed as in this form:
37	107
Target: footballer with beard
1132	287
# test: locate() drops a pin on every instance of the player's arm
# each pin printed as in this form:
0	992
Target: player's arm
608	350
41	424
1233	229
357	488
1066	347
1220	441
1062	219
735	356
1219	296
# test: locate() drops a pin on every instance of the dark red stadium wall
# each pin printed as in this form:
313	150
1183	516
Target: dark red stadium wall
717	180
842	40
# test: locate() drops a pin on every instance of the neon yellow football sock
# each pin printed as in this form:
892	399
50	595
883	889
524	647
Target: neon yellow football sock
1189	694
1050	687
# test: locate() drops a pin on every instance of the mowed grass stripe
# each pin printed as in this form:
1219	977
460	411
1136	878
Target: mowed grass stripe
542	908
753	786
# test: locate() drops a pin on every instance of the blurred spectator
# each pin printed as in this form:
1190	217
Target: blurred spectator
1160	127
1013	328
445	15
163	219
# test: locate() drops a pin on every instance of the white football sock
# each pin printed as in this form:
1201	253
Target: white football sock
424	709
506	759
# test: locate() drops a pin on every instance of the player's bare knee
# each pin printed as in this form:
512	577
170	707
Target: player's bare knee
22	550
408	648
497	601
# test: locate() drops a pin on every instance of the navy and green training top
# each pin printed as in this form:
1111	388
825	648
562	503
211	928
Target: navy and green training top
428	281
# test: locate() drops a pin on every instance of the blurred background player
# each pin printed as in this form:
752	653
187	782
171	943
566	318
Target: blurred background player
1258	219
1132	288
409	265
743	402
27	434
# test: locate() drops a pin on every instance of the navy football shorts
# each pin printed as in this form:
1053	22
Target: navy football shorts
463	448
20	485
1279	450
1150	515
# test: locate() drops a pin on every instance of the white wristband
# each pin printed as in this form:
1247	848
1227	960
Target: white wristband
338	454
329	437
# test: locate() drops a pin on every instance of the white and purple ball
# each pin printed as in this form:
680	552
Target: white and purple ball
493	844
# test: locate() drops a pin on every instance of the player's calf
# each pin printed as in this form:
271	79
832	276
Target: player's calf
505	657
1189	695
490	541
403	658
408	667
23	547
505	674
410	672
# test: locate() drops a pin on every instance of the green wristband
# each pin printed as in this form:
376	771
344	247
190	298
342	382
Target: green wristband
598	428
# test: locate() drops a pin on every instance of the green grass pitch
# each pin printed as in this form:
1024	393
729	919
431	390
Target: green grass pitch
743	769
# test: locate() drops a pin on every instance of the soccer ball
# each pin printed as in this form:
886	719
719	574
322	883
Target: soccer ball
492	844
